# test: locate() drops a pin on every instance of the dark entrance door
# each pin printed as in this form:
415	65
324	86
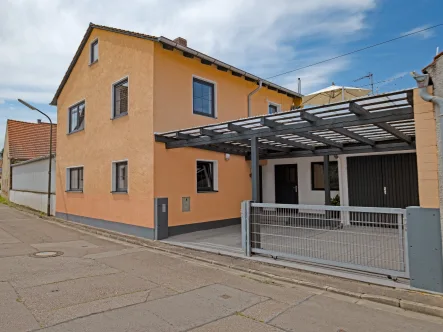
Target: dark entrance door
383	181
286	184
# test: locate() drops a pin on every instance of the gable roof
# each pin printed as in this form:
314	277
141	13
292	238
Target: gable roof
30	140
169	44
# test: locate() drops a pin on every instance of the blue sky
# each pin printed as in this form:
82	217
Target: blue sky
39	38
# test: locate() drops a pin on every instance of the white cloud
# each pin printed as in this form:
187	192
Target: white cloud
422	34
37	48
2	101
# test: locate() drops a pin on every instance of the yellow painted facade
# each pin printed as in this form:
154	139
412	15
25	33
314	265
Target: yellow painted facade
160	99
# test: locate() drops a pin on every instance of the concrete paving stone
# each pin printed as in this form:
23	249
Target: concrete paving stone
321	313
13	314
265	311
201	306
6	238
25	271
128	319
64	245
272	290
82	290
236	323
114	253
15	249
48	318
182	279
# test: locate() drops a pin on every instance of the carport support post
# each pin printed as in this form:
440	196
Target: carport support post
326	180
255	170
255	175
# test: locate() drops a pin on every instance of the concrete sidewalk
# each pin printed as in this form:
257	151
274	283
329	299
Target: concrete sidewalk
101	284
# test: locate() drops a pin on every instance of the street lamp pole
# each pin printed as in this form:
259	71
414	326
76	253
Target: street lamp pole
48	211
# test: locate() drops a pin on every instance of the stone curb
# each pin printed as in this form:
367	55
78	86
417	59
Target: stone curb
404	304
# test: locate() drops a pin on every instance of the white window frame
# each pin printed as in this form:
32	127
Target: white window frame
68	178
90	51
215	96
69	117
113	177
112	97
274	104
215	176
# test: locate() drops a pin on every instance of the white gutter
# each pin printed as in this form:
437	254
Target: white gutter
250	96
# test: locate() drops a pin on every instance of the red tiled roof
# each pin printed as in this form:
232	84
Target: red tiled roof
30	140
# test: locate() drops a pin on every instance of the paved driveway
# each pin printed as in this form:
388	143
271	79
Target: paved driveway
102	285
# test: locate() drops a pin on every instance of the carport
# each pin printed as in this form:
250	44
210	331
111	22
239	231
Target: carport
375	124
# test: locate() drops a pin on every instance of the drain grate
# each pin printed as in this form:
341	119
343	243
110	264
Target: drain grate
46	254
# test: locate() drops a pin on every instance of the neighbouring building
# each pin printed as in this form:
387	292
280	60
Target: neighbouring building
120	89
24	141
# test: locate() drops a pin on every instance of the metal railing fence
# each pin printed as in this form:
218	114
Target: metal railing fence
359	238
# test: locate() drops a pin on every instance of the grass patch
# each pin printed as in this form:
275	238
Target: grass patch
3	200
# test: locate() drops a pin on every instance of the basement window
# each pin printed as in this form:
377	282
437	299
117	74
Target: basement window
207	176
77	117
120	98
74	179
317	176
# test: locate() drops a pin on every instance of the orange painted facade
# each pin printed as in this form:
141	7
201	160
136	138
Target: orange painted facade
160	99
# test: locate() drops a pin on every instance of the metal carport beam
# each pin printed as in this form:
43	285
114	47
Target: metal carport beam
405	113
220	147
240	129
342	131
360	110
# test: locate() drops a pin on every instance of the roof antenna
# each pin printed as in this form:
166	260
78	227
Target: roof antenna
371	80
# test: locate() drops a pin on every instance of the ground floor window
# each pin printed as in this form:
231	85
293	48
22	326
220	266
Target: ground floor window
120	176
75	179
317	176
206	176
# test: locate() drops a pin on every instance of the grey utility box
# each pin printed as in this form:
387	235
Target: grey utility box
425	248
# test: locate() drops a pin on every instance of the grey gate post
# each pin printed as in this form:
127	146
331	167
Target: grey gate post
161	218
245	236
425	248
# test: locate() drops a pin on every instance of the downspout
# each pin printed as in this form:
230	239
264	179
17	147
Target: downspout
250	95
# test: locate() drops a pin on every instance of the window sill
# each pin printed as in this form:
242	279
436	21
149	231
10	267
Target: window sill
206	191
119	116
204	114
75	131
119	192
93	63
74	191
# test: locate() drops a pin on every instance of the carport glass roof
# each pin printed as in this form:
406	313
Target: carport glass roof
376	123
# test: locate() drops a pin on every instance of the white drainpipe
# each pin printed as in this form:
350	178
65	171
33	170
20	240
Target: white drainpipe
250	95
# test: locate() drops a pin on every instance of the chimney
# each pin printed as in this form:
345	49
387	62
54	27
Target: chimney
181	41
39	121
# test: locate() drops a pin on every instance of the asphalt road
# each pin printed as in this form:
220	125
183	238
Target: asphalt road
98	284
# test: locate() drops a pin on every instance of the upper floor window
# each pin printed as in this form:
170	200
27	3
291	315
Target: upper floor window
94	52
203	97
120	97
77	117
273	108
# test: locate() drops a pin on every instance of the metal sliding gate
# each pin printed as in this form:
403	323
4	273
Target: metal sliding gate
358	238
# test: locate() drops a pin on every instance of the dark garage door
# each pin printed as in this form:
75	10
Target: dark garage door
383	181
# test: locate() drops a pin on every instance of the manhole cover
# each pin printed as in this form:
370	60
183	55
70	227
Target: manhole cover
46	254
